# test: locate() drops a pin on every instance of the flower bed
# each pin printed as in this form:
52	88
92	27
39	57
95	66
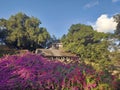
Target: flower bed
33	72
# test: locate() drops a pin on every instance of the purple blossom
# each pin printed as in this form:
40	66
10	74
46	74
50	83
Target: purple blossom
33	72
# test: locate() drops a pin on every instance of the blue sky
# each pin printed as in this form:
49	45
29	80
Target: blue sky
58	15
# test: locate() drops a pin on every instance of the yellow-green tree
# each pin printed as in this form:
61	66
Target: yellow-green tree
24	32
87	43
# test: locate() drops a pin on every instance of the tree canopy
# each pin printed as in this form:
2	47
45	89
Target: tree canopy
87	43
117	19
24	32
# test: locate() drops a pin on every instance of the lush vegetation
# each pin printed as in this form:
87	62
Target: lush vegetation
4	50
23	32
87	43
117	19
92	46
33	72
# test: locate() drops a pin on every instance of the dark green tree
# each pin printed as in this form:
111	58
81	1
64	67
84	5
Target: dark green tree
117	19
87	43
23	32
3	30
117	31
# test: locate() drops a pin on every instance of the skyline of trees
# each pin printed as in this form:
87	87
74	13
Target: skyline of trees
22	31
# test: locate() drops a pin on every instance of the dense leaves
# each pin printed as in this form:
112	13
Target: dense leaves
3	31
87	43
117	19
33	72
23	32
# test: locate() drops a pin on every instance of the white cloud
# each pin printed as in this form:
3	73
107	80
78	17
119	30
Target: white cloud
105	24
91	4
115	0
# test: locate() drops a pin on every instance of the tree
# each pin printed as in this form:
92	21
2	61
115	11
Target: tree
117	19
87	43
23	32
117	31
2	29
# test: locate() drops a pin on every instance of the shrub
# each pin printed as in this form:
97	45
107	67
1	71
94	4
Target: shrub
6	50
33	72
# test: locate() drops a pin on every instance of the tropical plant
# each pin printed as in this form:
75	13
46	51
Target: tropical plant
33	72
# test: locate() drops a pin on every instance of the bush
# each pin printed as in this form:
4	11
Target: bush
33	72
5	50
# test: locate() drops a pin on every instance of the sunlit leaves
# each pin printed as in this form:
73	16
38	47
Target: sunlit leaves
24	32
87	43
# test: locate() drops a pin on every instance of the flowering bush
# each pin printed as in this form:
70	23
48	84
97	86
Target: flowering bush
33	72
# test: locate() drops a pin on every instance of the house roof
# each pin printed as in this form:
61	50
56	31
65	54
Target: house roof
53	52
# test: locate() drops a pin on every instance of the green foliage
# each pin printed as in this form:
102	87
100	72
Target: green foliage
117	19
2	29
4	50
23	32
90	45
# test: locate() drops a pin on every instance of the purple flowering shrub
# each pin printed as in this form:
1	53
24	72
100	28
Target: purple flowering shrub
33	72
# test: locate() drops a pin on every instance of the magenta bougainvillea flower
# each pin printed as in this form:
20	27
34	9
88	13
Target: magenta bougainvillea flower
33	72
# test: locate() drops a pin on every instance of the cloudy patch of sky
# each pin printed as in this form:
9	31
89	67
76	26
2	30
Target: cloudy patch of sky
104	24
91	4
115	0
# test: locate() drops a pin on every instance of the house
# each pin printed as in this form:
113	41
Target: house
57	54
57	45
